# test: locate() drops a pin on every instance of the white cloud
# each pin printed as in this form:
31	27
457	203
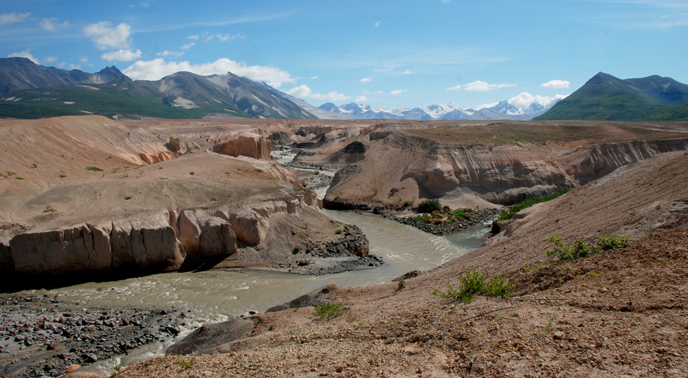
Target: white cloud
397	92
379	92
378	23
361	98
10	18
207	37
49	25
83	59
525	99
171	53
107	37
193	37
332	96
227	37
485	106
407	72
24	54
122	55
365	92
366	79
74	66
157	69
50	59
456	88
188	46
302	91
557	84
313	77
482	86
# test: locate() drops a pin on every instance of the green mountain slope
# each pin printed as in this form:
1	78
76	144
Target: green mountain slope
605	97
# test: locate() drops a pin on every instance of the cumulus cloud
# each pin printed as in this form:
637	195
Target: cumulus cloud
122	55
302	91
107	37
10	18
525	99
379	92
557	84
397	92
378	23
366	79
24	54
361	98
193	37
50	59
156	69
482	86
456	88
227	37
49	25
83	59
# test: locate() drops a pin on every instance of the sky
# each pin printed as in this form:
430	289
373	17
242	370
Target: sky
387	54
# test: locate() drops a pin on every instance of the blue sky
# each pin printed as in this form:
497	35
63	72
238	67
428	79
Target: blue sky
390	54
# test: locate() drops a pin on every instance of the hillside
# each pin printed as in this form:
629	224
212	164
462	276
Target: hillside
181	95
605	97
21	73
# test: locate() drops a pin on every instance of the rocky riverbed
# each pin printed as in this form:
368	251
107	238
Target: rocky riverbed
42	336
476	217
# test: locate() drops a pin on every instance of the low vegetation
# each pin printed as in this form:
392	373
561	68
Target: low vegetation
428	206
579	249
532	201
472	283
327	311
94	169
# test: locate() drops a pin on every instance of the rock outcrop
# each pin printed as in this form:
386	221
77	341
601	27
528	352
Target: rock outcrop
245	144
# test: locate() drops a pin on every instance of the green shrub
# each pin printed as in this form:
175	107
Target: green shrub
327	311
610	242
304	183
472	283
428	206
401	284
317	172
407	203
375	189
185	364
337	231
530	202
567	252
499	287
192	173
94	169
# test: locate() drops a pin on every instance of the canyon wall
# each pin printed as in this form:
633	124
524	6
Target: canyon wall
405	168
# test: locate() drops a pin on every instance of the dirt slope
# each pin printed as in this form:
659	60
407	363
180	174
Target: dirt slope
621	313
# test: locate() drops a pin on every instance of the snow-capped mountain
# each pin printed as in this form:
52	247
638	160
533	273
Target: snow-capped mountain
522	107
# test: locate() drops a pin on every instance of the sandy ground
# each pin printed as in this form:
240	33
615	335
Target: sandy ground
619	313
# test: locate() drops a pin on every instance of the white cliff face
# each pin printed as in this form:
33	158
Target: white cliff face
160	241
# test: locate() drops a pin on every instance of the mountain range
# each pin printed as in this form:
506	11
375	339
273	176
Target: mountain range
180	95
605	97
28	90
503	110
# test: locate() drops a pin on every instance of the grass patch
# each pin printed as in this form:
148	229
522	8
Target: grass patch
94	169
49	209
127	198
337	231
578	249
327	311
185	364
472	283
192	173
532	201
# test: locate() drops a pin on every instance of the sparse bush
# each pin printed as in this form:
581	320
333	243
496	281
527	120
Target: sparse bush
338	231
610	242
94	169
259	170
185	364
49	209
192	173
407	203
375	190
317	172
327	311
401	284
567	252
62	175
34	165
472	283
428	206
127	198
213	199
304	183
